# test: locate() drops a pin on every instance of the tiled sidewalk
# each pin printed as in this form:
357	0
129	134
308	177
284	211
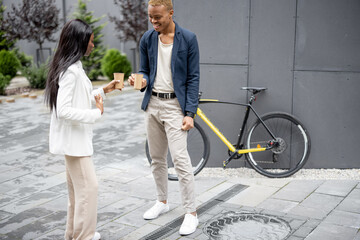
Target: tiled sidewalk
33	194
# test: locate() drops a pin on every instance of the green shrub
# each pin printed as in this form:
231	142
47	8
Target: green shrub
4	82
24	59
9	64
94	72
36	75
114	61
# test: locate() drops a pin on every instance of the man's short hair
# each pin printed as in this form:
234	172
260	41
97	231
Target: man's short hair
167	3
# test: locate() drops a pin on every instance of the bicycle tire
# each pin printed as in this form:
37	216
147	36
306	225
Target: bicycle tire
291	154
198	149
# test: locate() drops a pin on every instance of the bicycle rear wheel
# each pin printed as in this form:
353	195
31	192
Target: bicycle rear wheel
198	148
291	152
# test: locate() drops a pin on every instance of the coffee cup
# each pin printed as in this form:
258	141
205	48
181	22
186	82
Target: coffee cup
119	76
138	80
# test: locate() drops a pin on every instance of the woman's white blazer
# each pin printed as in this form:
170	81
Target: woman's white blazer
71	124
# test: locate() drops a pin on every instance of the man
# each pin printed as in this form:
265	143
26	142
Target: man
169	61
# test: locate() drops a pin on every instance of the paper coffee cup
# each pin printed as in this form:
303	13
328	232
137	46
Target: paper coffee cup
119	76
138	80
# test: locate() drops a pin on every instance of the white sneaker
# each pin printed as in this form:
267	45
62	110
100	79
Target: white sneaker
189	224
156	210
96	236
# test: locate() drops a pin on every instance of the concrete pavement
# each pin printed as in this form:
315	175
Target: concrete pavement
33	194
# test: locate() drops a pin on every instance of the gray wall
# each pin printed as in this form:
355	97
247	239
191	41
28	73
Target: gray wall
100	8
306	52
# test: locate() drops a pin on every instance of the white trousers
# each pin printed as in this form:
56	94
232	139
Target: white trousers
163	120
82	204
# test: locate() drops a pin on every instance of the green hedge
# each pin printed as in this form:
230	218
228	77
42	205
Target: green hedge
114	61
4	82
36	75
25	60
9	64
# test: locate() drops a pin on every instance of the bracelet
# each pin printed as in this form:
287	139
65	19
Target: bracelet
190	114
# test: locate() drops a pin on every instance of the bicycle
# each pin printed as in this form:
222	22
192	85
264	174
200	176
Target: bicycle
277	144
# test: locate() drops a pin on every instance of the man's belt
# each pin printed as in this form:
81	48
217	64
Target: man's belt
164	95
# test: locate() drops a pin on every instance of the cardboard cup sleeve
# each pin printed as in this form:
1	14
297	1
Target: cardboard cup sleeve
138	80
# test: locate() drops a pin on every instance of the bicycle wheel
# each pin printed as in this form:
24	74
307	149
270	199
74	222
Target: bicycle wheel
291	152
198	148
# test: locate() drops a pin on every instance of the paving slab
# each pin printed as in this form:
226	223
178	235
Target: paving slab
350	205
277	205
337	188
29	202
297	190
253	195
302	232
346	219
321	201
326	231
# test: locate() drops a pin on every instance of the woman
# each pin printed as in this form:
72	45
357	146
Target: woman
69	93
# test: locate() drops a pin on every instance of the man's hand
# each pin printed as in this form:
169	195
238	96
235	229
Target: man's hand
188	123
131	81
111	86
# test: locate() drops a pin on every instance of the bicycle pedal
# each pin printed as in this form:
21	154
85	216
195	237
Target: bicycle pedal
224	164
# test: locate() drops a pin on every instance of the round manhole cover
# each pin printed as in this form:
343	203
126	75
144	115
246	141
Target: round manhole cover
246	225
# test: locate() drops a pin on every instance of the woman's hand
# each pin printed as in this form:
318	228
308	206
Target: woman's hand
111	86
99	103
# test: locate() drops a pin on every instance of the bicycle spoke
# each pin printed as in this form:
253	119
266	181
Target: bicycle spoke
291	151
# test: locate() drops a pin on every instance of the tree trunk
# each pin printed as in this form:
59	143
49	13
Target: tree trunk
41	55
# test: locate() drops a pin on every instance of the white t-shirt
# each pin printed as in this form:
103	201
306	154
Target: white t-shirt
163	80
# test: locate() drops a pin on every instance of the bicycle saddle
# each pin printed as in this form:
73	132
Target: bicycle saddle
254	90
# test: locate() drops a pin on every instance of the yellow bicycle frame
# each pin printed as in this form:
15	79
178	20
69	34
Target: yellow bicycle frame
202	115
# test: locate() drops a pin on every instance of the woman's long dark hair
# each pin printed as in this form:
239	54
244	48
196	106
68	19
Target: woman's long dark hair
73	43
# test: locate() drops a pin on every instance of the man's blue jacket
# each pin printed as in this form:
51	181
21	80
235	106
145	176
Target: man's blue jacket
184	66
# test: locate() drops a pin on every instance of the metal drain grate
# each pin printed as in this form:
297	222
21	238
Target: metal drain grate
247	225
171	227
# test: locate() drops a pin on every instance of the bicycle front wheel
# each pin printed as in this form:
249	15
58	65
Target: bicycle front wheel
198	148
290	152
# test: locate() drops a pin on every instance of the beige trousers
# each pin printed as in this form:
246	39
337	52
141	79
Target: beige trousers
82	205
163	120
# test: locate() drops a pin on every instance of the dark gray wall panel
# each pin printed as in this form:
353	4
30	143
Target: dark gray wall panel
223	83
221	27
329	105
328	35
272	28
